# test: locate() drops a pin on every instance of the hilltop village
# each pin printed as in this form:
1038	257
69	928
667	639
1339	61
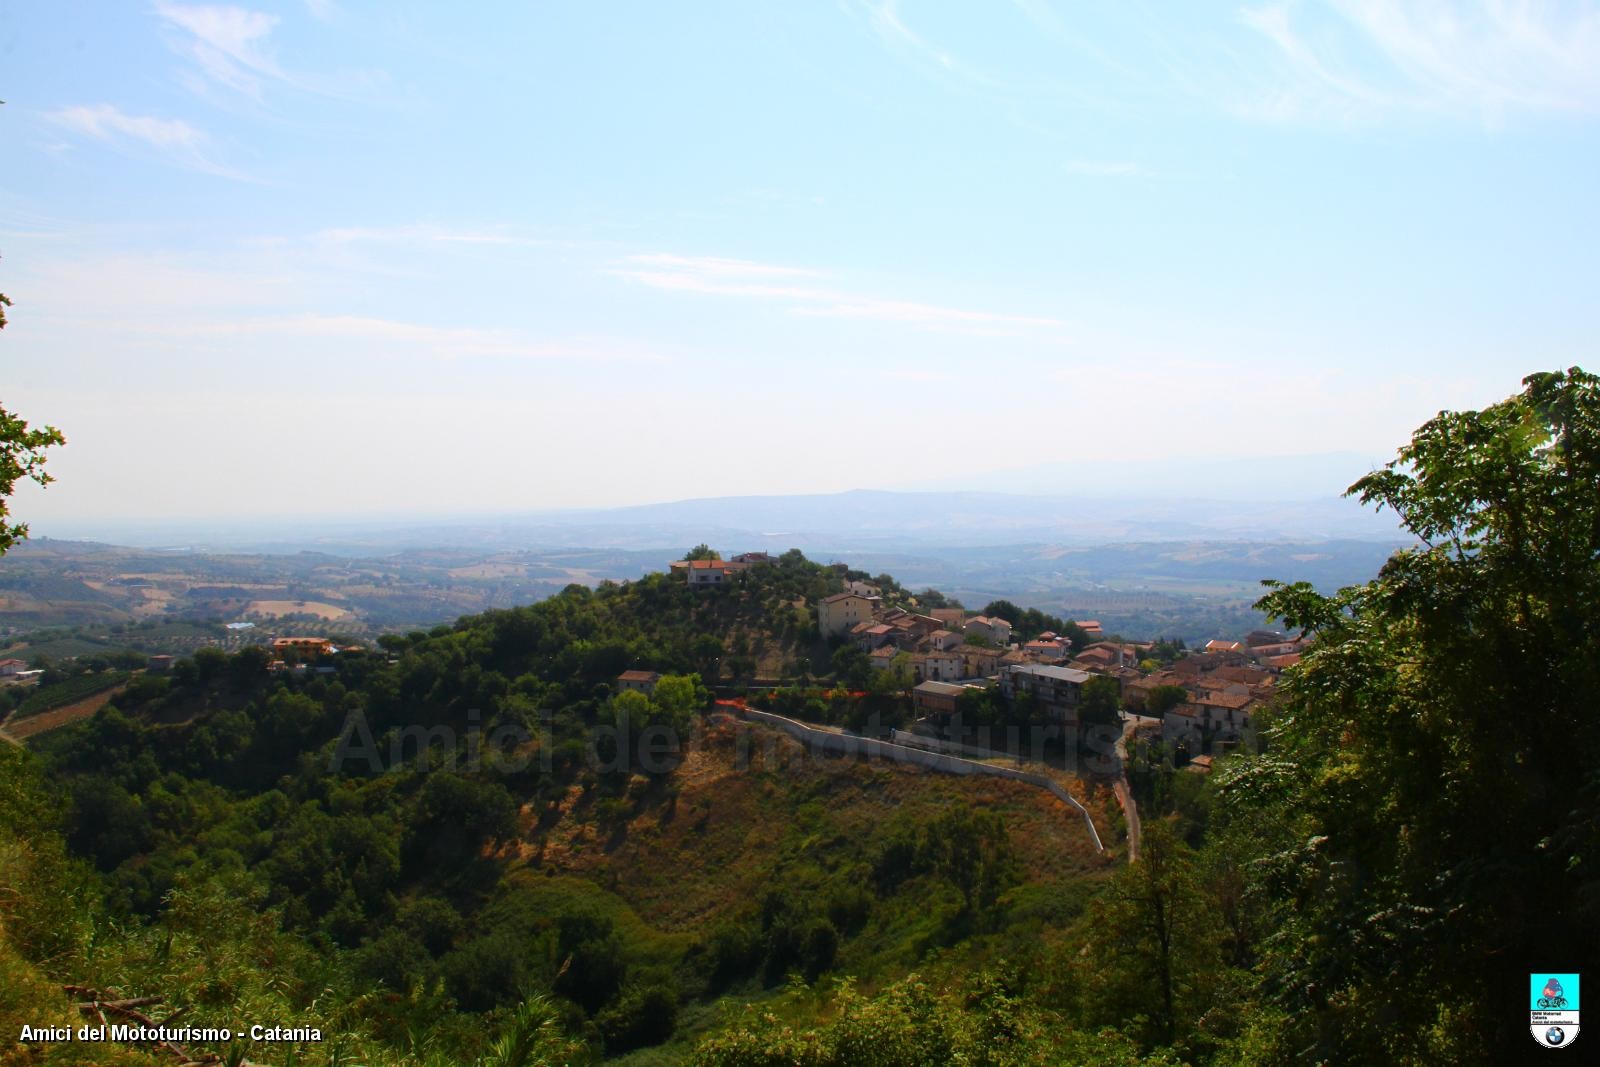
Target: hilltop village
1069	673
887	659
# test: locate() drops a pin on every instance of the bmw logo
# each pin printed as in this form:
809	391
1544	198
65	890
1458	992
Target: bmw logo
1555	1035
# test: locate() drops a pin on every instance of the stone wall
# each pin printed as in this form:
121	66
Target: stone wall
829	742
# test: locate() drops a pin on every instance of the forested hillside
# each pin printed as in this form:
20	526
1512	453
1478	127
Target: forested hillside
452	850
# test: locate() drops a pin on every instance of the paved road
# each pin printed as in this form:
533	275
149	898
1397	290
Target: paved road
1130	808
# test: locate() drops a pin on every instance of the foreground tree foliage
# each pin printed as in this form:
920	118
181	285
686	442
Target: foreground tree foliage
913	1024
1433	785
1152	949
22	457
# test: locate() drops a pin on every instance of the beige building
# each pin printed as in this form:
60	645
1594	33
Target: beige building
838	614
996	630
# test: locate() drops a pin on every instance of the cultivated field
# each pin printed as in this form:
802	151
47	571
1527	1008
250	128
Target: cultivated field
275	608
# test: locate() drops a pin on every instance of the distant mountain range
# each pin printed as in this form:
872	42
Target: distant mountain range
836	522
1186	566
1250	479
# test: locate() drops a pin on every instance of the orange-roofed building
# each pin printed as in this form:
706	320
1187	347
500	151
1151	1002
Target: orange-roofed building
304	647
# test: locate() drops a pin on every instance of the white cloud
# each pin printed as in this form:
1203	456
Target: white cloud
107	122
884	17
450	340
691	282
1351	58
721	267
228	44
742	278
177	139
441	341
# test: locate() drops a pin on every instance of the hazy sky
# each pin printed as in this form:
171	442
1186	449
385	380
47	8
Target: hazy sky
390	258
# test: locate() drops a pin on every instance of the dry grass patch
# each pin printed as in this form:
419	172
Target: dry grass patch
274	608
711	837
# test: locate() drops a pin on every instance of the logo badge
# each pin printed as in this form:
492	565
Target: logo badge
1553	1008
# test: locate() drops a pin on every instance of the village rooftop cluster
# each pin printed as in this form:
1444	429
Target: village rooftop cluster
1203	699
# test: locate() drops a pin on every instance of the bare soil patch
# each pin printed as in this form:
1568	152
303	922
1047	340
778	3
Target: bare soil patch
62	716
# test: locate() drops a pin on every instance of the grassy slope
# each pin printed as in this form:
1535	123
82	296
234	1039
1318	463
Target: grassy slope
703	847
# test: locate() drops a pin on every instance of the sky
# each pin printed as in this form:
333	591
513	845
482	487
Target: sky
392	259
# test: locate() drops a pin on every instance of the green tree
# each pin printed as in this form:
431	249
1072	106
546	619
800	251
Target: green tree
1426	823
1102	699
898	677
1163	698
680	697
21	457
972	851
913	1024
632	707
978	709
851	666
702	551
533	1038
1152	944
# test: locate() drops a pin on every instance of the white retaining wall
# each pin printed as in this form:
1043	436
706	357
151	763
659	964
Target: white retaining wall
825	741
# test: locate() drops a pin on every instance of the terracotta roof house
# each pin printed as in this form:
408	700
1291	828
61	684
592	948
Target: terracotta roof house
305	646
702	573
881	658
1225	713
1223	646
996	630
1222	699
1247	675
980	662
872	635
638	681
